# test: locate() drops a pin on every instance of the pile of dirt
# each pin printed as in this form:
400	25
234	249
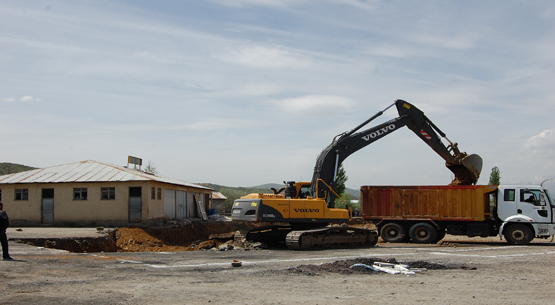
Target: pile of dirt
191	237
133	239
344	266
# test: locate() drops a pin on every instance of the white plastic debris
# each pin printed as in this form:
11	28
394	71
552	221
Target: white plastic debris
390	268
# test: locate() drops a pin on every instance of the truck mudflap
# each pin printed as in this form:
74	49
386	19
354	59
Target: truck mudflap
330	236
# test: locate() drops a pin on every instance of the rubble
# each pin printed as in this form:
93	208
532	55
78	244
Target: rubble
360	266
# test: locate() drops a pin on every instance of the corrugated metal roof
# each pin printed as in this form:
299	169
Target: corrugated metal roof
88	171
218	195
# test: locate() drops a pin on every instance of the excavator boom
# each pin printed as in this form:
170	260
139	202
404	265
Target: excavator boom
466	168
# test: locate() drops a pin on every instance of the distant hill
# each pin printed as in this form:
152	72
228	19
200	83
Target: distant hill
232	193
355	194
12	168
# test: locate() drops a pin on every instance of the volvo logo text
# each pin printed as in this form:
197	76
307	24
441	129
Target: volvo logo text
307	210
379	132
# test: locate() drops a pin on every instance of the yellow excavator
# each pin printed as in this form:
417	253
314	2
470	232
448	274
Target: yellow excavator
305	216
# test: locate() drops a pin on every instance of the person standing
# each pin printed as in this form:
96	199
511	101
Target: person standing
4	224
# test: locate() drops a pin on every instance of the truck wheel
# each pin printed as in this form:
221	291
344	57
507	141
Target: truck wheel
518	234
393	233
423	233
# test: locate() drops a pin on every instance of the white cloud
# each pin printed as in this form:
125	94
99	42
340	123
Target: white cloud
390	51
315	104
544	142
449	42
263	57
361	4
29	98
24	99
244	3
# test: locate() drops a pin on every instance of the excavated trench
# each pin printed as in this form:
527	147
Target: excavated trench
178	237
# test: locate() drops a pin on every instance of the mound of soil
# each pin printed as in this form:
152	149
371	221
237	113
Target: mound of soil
190	237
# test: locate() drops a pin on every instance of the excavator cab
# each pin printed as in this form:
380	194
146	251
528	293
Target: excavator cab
297	190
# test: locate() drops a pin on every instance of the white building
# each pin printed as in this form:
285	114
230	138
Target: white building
93	193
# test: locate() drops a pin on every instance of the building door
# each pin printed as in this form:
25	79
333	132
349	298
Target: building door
169	204
135	205
47	206
181	205
191	207
207	202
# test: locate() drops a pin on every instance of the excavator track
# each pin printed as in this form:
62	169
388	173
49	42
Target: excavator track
330	237
271	234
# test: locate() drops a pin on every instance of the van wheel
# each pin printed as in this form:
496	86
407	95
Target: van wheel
518	234
423	233
393	233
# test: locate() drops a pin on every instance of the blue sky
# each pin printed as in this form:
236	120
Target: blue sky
246	92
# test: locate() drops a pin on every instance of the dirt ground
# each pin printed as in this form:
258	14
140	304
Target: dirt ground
460	271
156	266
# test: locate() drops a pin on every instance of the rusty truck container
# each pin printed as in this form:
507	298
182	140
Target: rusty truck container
436	203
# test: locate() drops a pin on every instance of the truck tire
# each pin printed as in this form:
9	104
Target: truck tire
423	233
518	234
393	233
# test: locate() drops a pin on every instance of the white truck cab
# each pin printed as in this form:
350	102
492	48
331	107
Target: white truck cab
526	212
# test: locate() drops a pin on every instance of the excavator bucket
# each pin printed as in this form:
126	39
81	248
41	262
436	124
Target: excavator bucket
468	171
474	164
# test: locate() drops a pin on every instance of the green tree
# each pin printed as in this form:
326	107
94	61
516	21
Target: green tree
150	168
340	189
340	180
495	176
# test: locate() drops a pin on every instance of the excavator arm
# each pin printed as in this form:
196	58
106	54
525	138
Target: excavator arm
466	168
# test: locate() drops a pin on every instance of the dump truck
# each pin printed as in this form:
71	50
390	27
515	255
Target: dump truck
424	214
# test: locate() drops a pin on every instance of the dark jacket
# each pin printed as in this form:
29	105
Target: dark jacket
4	220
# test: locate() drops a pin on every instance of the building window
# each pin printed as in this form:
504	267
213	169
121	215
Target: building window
153	193
159	193
21	194
80	193
108	193
0	195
